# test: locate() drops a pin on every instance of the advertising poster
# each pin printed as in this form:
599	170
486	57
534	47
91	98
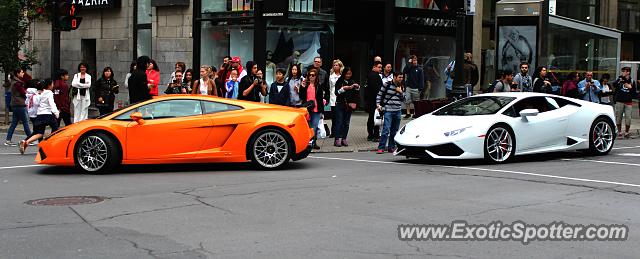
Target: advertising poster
516	44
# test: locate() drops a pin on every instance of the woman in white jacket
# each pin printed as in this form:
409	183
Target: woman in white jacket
81	97
47	113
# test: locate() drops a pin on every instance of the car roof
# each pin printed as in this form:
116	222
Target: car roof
518	95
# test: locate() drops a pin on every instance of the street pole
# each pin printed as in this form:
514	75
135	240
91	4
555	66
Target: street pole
55	42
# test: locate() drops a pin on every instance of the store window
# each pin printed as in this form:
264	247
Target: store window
581	10
220	41
434	54
143	28
576	50
226	5
437	5
629	15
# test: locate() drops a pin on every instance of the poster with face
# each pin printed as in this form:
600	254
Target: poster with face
516	44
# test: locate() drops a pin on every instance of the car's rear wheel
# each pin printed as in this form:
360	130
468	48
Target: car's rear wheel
97	153
270	149
601	137
499	144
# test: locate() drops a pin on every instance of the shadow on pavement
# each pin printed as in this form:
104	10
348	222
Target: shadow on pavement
546	157
173	168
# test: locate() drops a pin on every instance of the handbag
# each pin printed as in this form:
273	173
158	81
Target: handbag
351	106
378	118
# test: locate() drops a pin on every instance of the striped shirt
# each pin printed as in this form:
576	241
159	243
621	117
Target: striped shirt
392	100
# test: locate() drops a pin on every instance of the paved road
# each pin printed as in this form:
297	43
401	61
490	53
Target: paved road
342	205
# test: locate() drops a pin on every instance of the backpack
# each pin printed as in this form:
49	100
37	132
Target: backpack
492	87
32	107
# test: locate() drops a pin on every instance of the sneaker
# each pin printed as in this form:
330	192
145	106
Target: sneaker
391	150
620	136
316	147
345	143
9	143
380	151
337	143
22	146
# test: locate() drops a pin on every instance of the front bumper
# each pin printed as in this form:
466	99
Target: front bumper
55	151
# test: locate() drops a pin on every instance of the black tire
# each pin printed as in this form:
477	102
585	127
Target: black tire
104	148
270	149
508	143
601	137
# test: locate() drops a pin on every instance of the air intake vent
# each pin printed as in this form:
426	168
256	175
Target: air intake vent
571	142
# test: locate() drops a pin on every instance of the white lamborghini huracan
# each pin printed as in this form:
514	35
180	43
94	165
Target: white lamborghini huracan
499	126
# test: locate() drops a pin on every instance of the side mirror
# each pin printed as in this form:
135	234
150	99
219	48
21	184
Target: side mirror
528	113
137	117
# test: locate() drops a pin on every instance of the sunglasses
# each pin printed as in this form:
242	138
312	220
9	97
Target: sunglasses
312	75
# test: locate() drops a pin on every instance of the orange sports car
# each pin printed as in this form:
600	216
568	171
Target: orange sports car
182	129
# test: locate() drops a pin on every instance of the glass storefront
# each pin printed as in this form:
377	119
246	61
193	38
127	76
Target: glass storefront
581	10
434	54
629	15
226	5
426	4
577	50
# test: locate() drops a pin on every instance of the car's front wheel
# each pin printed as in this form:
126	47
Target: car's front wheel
97	153
601	137
499	144
270	149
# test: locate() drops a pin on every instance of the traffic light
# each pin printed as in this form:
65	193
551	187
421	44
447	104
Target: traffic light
65	18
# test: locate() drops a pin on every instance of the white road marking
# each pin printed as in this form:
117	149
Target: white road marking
18	166
629	154
621	148
494	170
602	162
17	153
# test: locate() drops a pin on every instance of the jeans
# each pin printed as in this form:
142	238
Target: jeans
389	129
373	131
19	114
66	117
315	120
343	118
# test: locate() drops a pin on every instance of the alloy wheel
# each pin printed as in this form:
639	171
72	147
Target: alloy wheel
271	150
602	137
92	154
499	144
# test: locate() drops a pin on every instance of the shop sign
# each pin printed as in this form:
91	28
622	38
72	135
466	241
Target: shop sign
96	4
428	21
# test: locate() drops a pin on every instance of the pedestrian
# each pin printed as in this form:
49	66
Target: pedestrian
373	86
323	76
179	66
414	82
295	81
471	74
263	96
18	106
347	96
80	91
178	86
387	74
236	64
61	97
449	73
541	83
607	90
138	83
220	86
377	59
589	88
279	92
105	90
33	89
188	79
204	86
153	77
389	101
312	91
336	72
626	90
232	85
570	86
523	79
250	86
47	114
505	82
132	67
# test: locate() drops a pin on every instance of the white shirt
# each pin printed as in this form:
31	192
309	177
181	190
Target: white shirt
386	79
242	74
46	104
87	83
606	89
204	88
333	78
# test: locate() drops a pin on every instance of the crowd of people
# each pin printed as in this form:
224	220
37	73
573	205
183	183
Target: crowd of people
333	95
618	93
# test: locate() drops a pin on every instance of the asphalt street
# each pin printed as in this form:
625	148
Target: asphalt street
330	205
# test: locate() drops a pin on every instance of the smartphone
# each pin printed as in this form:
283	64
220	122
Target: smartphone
175	81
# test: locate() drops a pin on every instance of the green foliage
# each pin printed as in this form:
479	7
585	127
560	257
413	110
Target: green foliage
15	18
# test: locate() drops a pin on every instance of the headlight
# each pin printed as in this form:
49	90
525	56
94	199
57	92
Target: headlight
455	132
402	130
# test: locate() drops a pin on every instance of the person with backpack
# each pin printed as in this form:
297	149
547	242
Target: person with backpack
626	90
541	83
389	101
18	105
504	85
47	114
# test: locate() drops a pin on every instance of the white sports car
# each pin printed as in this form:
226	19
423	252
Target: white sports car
499	126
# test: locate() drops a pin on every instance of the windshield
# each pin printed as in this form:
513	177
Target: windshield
483	105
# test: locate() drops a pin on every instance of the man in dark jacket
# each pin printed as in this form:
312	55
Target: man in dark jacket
138	84
414	77
374	84
626	90
250	86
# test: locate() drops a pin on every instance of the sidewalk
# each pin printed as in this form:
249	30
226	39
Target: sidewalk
357	133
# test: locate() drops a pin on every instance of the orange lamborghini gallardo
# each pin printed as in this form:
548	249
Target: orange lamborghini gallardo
182	129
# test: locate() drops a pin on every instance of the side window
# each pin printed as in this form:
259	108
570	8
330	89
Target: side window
215	107
552	103
170	109
125	116
563	102
539	103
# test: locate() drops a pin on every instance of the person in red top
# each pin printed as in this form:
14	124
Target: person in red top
61	96
235	64
153	77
